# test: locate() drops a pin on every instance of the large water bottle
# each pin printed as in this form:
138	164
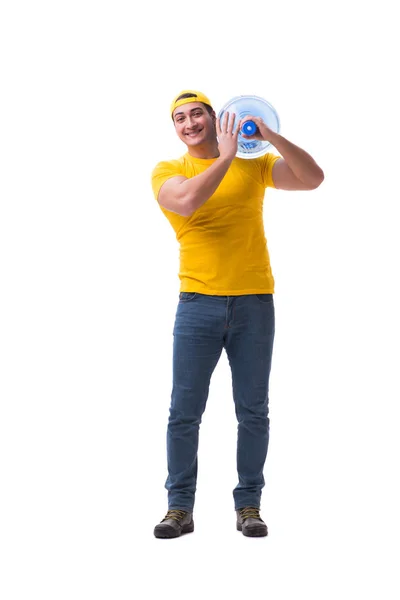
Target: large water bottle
244	106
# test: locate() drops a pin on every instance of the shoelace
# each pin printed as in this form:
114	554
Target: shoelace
175	514
249	512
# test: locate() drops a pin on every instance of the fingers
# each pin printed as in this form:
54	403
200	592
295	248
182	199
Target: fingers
227	125
224	124
221	127
231	123
237	130
257	120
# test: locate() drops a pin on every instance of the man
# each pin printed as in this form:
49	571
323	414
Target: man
214	201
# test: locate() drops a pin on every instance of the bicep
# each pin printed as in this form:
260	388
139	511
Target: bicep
169	197
284	178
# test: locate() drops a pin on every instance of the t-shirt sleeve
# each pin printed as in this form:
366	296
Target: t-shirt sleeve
163	171
268	161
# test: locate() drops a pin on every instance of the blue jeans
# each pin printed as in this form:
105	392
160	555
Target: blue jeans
204	325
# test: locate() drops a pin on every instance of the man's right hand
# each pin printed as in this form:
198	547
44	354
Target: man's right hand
227	136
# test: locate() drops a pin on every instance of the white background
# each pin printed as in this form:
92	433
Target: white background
89	289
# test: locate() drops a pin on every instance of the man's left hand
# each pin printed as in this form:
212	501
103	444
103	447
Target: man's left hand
263	132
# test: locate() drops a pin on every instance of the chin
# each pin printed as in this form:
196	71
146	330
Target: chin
194	142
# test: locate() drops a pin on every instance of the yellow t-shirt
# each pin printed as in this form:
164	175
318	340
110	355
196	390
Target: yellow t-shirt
223	249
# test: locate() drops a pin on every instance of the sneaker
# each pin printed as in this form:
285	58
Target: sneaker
250	523
174	524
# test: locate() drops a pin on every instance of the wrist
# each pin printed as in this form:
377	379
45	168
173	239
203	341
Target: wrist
272	137
224	159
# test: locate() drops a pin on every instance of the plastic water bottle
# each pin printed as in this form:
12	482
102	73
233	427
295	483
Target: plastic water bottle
255	106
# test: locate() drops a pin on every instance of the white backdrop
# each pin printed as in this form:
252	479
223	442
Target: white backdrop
89	289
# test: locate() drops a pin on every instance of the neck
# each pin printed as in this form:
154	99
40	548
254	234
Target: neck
209	150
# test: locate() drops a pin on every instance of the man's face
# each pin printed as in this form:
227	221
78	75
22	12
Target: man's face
193	124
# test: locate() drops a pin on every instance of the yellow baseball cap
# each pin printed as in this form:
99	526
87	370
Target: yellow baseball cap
198	97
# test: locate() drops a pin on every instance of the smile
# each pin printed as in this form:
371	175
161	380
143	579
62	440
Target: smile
193	133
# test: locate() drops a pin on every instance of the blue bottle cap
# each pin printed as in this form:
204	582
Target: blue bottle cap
249	128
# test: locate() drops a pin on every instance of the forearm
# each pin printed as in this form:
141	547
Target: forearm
298	160
198	189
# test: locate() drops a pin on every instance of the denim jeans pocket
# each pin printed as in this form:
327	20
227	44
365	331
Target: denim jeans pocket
265	298
187	296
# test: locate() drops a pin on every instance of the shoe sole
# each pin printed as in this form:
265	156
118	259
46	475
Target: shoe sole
253	532
168	532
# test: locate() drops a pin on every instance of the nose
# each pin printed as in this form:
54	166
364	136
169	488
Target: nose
191	122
